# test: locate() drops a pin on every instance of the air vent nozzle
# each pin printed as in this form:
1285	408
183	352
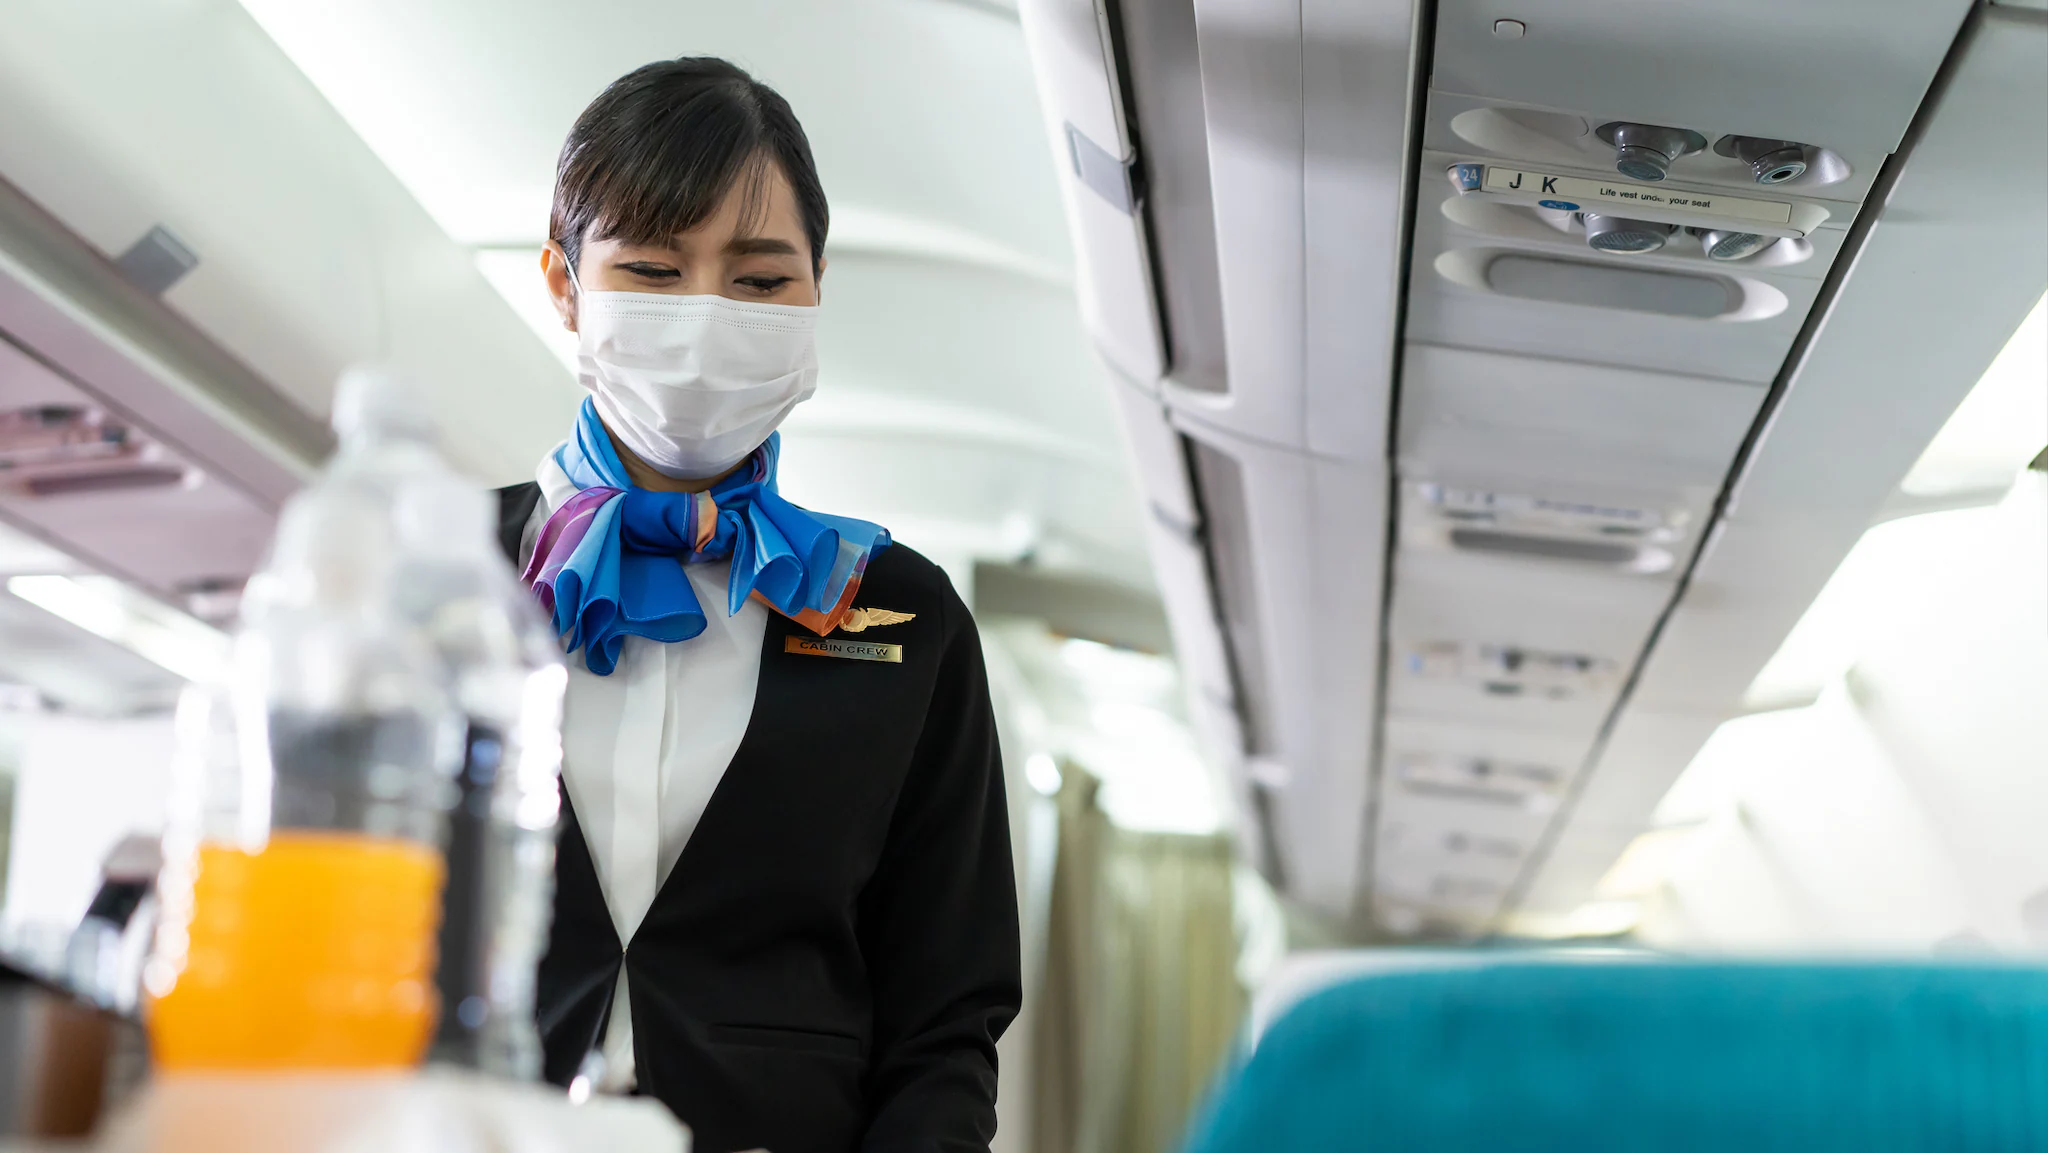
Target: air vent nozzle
1645	151
1770	161
1723	244
1618	234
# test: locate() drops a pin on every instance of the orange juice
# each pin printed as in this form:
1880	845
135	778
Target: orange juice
317	952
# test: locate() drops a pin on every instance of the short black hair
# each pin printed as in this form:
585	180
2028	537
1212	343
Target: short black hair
658	150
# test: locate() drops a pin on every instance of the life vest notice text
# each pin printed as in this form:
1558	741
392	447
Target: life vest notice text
1578	194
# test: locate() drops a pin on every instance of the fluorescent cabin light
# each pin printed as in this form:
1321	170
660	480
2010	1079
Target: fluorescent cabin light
1044	774
1999	427
1649	861
1891	565
515	273
111	610
1984	446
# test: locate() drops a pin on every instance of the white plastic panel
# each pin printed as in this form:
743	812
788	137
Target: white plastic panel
1426	735
1180	572
1178	566
311	253
1450	853
1834	73
1425	828
162	538
1486	832
1156	453
1487	415
1113	276
1642	758
1547	606
1252	93
1356	87
1891	362
1561	529
1314	528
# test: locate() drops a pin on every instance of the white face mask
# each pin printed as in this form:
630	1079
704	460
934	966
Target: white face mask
692	384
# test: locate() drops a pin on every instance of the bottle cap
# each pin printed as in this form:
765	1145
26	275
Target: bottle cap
376	397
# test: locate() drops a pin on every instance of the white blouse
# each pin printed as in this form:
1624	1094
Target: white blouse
643	749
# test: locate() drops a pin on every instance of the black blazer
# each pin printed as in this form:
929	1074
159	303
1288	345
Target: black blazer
829	964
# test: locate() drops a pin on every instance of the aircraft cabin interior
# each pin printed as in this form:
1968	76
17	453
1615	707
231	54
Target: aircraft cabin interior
1377	575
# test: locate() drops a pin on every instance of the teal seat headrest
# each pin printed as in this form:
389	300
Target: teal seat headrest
1653	1056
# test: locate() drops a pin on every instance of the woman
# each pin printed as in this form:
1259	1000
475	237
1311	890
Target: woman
784	901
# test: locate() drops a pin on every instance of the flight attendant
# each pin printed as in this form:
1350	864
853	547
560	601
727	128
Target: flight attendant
784	902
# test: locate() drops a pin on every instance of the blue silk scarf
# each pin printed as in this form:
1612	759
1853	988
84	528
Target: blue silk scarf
608	563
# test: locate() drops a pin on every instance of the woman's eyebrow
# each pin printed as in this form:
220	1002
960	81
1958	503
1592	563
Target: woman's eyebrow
760	246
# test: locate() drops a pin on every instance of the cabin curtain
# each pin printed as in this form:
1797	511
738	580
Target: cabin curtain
1141	998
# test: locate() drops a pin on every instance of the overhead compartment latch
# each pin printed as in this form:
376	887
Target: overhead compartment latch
1103	172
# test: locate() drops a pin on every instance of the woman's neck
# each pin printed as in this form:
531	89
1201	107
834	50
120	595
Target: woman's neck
643	475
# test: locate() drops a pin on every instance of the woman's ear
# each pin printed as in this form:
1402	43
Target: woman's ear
554	268
822	262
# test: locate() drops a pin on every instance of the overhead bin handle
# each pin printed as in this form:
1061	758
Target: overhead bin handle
1101	171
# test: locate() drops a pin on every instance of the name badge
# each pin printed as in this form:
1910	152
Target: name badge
849	650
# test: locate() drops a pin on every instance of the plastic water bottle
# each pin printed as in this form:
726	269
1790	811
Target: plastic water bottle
360	852
504	676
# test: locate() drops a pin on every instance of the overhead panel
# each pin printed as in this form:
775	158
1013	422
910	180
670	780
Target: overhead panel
1624	219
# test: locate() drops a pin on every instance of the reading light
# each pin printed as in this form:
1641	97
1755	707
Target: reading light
109	609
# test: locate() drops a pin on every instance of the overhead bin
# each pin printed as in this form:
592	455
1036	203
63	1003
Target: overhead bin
310	254
1091	141
1274	525
88	478
1180	566
1250	62
1293	542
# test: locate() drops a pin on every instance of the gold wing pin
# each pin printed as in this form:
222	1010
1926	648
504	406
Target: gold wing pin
860	620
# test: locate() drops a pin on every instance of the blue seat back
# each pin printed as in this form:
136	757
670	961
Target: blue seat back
1651	1055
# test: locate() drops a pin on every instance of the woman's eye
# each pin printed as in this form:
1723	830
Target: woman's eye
652	271
765	284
